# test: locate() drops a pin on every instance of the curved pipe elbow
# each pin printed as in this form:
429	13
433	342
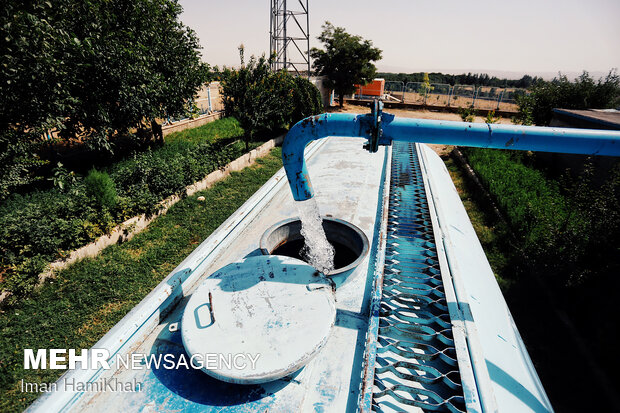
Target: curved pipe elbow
308	130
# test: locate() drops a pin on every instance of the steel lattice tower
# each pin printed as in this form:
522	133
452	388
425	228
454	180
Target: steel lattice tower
290	36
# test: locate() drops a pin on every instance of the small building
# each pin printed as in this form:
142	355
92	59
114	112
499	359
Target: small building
327	93
376	88
586	119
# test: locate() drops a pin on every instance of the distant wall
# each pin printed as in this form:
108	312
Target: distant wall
327	94
190	123
209	97
559	162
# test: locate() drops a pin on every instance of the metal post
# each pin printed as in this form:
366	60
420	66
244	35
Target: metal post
473	103
209	97
501	96
270	28
498	96
308	34
287	41
285	21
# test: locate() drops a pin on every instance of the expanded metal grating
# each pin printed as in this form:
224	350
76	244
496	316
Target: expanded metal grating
416	365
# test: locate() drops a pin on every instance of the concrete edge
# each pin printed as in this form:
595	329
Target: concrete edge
190	123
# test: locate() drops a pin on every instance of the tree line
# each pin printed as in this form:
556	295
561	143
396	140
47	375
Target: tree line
475	79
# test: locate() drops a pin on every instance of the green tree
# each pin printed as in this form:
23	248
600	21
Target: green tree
346	60
583	93
265	101
425	87
90	69
250	96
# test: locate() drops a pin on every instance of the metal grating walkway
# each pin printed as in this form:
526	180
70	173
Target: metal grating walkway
416	365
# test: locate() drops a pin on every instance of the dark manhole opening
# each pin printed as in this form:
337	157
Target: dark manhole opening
350	243
343	255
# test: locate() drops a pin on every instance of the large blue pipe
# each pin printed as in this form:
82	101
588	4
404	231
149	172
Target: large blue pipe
391	128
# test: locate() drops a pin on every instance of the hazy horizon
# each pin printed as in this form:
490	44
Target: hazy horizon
535	37
502	74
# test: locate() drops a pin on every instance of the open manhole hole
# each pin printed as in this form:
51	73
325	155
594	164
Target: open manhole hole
350	243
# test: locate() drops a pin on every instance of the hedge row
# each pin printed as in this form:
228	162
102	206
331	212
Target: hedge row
534	206
265	101
568	230
42	226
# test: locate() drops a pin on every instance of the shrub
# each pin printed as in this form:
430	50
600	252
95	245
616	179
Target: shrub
491	118
265	101
18	159
306	100
42	226
598	208
39	227
100	186
569	230
467	114
583	93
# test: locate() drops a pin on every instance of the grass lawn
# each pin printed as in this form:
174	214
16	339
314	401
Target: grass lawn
548	329
78	306
492	233
224	128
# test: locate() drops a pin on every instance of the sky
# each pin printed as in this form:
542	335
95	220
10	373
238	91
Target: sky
506	38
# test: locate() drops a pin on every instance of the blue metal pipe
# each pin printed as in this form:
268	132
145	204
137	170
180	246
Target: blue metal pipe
484	135
391	128
308	130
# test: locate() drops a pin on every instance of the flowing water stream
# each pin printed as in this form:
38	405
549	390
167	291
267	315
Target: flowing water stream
317	250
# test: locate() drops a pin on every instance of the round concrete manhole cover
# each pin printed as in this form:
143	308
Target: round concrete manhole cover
258	320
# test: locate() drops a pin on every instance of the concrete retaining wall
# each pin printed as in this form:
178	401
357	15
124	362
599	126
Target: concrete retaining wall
327	94
190	123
